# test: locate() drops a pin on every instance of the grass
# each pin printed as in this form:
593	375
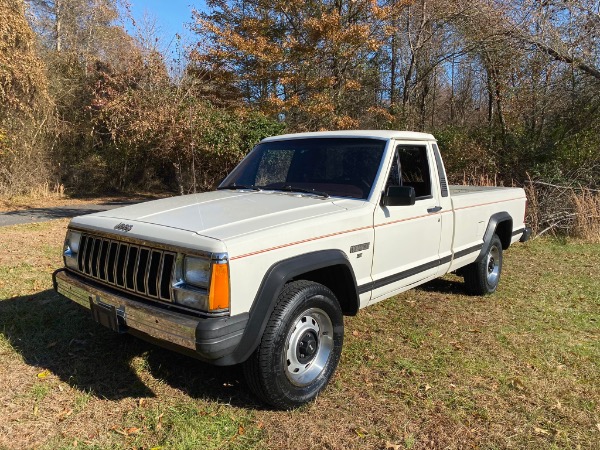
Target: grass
431	368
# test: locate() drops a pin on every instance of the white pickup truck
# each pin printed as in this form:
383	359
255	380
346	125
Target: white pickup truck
307	228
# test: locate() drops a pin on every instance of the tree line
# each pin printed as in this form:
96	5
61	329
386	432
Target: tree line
511	89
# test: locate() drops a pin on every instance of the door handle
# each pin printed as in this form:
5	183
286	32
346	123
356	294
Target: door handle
434	209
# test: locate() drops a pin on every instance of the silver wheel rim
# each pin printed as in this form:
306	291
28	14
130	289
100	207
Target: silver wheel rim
493	265
308	346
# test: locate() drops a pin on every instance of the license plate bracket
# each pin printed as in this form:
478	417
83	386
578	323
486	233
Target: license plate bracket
107	315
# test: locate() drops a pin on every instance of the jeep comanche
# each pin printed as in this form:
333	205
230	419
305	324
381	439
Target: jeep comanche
306	229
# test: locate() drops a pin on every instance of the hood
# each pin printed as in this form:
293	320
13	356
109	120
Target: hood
226	214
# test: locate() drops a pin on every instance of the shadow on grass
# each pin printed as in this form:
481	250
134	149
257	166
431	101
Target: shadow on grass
443	286
61	212
52	332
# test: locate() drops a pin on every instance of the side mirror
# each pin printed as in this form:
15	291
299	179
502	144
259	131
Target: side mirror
399	196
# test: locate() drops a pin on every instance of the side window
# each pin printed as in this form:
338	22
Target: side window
414	169
273	167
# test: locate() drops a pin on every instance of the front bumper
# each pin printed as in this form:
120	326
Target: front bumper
211	339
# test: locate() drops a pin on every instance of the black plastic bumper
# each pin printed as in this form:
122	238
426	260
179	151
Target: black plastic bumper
211	339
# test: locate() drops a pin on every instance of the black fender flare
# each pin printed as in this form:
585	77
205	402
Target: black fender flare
266	297
495	220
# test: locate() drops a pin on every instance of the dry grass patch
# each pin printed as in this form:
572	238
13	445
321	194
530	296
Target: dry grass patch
432	368
587	220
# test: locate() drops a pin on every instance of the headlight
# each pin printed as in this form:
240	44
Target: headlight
202	284
189	297
71	248
196	271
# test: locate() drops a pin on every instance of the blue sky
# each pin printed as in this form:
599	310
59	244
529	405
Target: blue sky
170	15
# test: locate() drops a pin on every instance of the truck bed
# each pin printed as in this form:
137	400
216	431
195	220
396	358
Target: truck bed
473	206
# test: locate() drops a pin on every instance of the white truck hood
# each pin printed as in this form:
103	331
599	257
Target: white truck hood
226	214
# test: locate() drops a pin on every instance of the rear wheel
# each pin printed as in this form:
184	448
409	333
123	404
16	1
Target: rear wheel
482	276
300	348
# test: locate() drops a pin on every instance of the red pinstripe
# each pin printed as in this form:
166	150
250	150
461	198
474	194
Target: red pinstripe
277	247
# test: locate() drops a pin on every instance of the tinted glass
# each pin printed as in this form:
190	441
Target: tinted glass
343	167
414	169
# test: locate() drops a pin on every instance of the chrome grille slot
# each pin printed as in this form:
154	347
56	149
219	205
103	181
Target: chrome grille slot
89	247
94	257
142	271
130	267
120	266
110	264
153	277
102	260
165	275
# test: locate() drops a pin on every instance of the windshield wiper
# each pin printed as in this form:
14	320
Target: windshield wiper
235	186
289	188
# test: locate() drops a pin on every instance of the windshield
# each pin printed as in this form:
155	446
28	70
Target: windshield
340	167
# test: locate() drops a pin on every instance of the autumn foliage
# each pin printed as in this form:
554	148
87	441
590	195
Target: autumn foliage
510	89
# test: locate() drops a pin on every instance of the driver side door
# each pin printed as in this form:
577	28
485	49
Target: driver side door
407	238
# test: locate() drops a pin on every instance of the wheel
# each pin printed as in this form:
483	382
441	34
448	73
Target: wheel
300	347
482	276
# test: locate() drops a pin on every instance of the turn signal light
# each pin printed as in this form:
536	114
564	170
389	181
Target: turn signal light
218	297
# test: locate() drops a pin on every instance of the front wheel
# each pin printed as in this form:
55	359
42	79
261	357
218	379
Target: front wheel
482	276
300	347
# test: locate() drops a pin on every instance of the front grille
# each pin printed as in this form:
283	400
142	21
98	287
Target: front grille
142	270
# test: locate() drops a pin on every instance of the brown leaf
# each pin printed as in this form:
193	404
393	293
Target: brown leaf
126	431
541	431
159	421
517	384
355	333
456	345
116	430
390	446
141	402
241	430
64	414
558	405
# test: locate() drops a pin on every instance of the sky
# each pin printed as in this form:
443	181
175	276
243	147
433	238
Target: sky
170	15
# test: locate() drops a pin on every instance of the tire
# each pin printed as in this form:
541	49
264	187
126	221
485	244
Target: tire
482	276
307	316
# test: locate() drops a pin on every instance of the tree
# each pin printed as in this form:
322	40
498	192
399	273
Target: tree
24	103
312	63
